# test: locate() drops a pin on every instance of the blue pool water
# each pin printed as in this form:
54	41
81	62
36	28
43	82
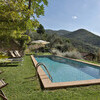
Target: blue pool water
65	70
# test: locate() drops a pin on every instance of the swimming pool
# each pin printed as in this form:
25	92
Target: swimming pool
67	70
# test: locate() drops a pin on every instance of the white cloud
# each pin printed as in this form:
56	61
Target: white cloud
74	17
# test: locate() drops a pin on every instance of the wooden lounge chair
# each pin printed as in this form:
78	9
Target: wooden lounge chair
7	62
15	56
12	54
17	53
2	84
2	95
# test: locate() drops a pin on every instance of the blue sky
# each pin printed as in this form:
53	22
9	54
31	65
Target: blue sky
72	15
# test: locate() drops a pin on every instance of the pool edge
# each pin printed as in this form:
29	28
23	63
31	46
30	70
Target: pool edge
49	85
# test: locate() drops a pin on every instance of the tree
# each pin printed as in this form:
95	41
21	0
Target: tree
40	29
16	16
98	55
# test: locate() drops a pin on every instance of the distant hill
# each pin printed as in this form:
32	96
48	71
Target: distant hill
82	39
59	32
84	36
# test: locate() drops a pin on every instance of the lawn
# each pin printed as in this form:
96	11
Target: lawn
23	85
92	62
39	53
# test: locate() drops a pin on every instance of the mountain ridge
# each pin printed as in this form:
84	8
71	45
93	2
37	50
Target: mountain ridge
80	38
59	32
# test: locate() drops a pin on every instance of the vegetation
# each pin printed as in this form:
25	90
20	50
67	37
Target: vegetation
38	53
81	39
60	43
40	29
24	85
92	62
98	56
71	54
72	47
58	32
18	26
85	36
84	47
18	16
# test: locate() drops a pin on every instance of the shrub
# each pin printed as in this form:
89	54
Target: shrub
27	51
3	55
73	54
98	56
56	52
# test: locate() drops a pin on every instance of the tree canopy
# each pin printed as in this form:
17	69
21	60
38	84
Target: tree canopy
16	16
40	29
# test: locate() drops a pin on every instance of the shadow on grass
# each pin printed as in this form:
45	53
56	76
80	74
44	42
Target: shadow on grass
31	77
34	78
29	80
8	65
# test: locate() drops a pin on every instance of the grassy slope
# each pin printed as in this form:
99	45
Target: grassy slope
24	86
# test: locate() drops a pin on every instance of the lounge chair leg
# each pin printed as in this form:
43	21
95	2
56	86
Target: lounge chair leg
3	95
4	98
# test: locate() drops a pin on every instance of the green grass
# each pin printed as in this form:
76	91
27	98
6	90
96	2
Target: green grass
39	53
24	86
94	62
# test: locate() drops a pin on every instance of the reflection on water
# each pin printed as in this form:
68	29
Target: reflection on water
89	69
63	69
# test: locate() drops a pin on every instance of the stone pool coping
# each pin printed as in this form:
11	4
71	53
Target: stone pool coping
90	63
50	85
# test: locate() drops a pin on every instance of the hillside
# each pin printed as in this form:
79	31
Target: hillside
84	47
84	36
59	32
82	39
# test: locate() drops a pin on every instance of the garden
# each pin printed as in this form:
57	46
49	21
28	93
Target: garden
23	84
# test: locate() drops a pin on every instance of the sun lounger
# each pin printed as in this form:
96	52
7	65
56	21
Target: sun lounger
12	54
2	84
8	61
2	95
17	53
15	56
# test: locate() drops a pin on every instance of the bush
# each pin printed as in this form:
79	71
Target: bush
56	52
3	55
64	47
73	54
23	40
27	51
98	56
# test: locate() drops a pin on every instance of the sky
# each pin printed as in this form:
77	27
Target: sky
72	15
